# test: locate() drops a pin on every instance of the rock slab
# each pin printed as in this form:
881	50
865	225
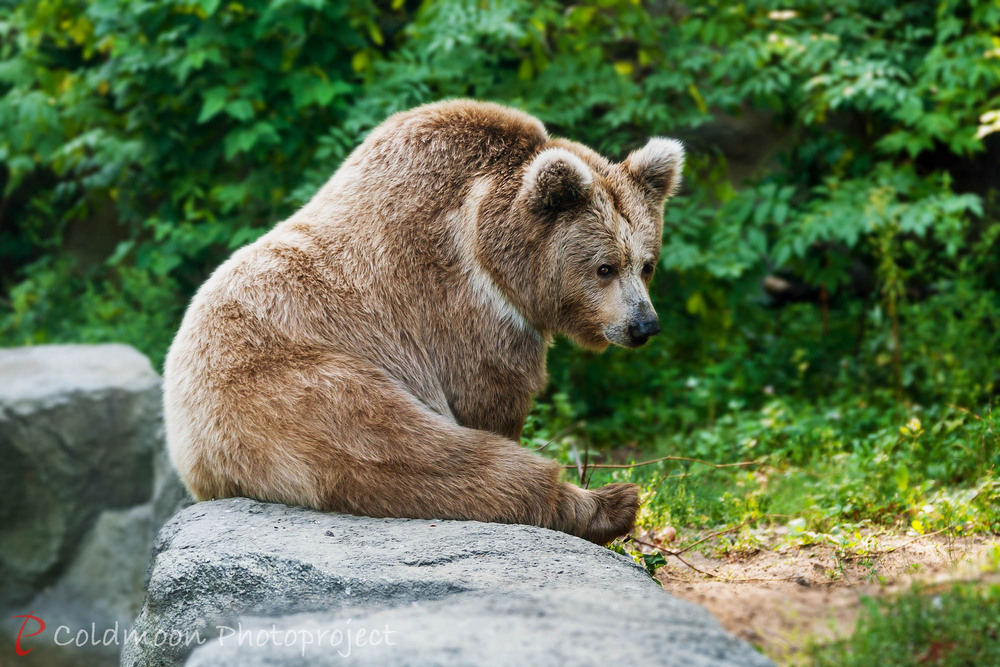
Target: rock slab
237	582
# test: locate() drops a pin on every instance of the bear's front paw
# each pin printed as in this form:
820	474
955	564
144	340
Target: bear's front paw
617	505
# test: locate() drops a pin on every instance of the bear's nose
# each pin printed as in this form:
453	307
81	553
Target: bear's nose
641	331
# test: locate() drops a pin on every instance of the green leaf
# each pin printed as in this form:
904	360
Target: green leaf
214	102
240	109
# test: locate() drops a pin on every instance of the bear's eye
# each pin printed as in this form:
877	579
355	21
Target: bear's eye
647	269
605	270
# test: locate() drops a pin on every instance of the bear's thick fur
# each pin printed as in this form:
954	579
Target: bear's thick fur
376	352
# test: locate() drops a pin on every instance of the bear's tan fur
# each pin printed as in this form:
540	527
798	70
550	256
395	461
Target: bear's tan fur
376	352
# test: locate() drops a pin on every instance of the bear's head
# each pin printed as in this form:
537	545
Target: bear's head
599	227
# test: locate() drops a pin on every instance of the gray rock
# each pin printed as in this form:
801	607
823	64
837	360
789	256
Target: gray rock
169	494
101	581
78	428
403	591
87	483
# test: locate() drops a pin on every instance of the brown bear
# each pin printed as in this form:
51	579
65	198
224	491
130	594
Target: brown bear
376	353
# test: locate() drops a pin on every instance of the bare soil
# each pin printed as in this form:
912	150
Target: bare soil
781	600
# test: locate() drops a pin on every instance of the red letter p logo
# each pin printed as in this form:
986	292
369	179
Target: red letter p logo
20	633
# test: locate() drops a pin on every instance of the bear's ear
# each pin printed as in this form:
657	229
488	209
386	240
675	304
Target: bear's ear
657	168
555	181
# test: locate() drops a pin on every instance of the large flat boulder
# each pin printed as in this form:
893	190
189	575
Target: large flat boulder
237	582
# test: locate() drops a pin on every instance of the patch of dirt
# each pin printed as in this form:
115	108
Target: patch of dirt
781	600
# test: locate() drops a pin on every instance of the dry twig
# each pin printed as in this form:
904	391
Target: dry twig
564	432
738	464
748	580
677	555
717	534
883	552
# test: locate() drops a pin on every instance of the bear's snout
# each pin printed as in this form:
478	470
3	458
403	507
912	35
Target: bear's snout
643	329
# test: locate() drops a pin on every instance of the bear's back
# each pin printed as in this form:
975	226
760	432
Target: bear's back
376	264
420	163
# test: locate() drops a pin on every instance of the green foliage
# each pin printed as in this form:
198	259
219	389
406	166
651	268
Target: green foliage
141	142
956	626
826	469
649	562
187	124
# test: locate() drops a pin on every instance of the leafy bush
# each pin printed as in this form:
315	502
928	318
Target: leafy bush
175	131
142	141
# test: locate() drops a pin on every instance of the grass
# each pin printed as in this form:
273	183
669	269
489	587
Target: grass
842	474
959	625
819	470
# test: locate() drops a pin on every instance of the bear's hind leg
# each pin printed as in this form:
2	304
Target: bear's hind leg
378	451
